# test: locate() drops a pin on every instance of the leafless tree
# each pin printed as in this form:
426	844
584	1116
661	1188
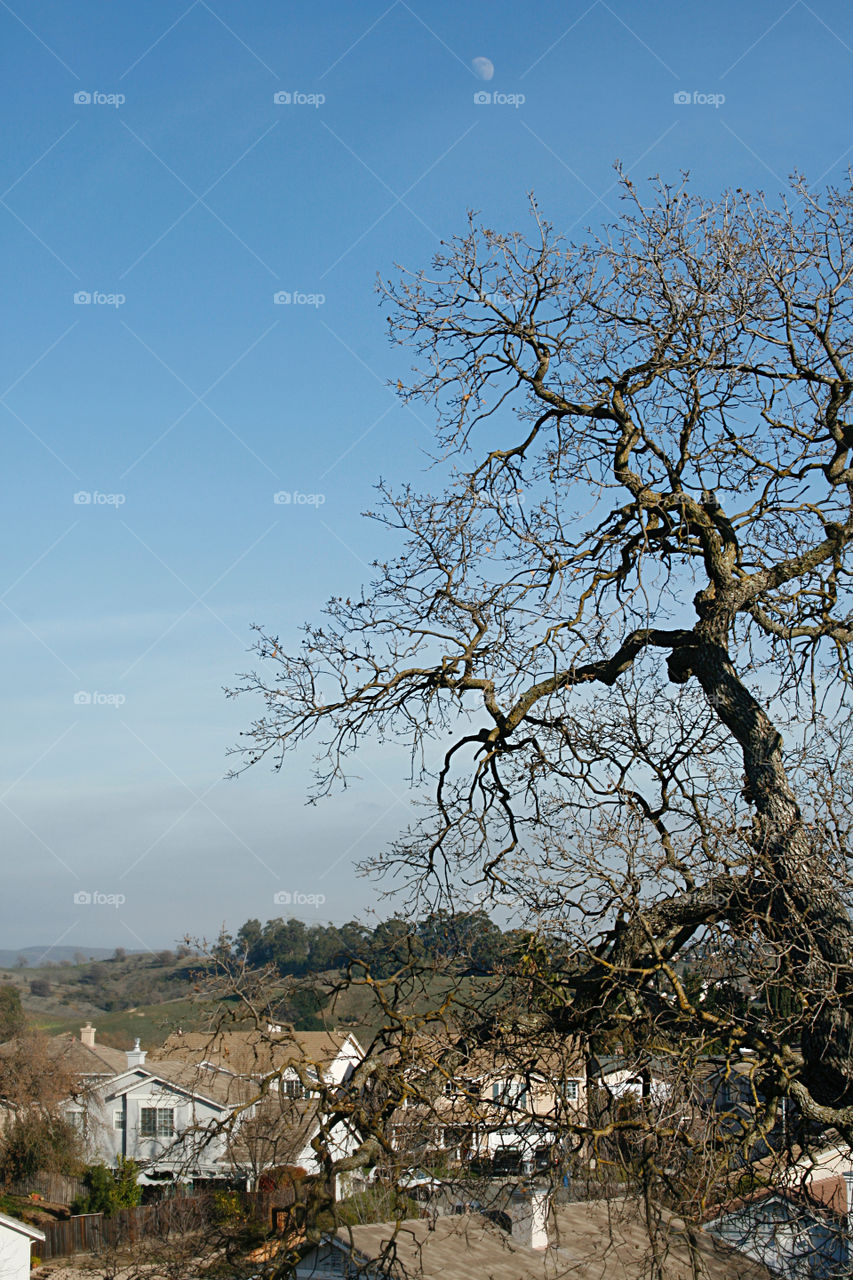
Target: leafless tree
616	639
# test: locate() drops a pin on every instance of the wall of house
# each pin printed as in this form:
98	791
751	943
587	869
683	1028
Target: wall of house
105	1142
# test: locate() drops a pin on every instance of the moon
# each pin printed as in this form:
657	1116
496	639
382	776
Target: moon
484	68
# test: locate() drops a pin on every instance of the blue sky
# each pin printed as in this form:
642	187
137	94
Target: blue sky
147	165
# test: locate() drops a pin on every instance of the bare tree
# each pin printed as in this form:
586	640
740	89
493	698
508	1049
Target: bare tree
616	639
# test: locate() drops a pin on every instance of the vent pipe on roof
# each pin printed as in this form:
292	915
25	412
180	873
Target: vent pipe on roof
87	1035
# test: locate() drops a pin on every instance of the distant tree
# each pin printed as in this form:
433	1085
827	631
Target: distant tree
119	954
21	962
249	937
96	974
12	1018
40	987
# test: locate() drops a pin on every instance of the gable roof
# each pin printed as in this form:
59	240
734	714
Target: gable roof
254	1053
78	1059
23	1228
217	1087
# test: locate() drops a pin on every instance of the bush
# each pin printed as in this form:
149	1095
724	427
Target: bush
108	1190
38	1141
40	987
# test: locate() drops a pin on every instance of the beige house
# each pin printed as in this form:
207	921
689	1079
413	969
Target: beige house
504	1103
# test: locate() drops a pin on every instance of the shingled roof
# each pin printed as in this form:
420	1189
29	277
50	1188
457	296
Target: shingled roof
252	1053
590	1241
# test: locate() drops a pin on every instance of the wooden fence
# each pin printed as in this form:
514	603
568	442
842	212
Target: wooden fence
55	1187
93	1233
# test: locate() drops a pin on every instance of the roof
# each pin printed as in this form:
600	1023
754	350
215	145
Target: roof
464	1247
253	1053
591	1241
610	1239
24	1228
219	1087
79	1059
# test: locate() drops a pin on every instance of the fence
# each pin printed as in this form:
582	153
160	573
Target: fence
55	1187
92	1232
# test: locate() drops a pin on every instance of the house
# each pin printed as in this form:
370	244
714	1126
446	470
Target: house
16	1247
794	1237
622	1078
228	1108
170	1118
509	1105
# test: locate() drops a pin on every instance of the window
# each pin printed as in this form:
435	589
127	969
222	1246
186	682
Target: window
570	1090
293	1089
118	1119
76	1119
156	1122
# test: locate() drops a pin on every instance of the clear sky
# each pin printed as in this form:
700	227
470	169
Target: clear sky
147	166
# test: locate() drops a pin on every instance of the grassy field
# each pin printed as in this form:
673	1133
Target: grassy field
147	997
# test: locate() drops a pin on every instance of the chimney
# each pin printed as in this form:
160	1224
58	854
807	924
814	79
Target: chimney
529	1209
136	1056
87	1035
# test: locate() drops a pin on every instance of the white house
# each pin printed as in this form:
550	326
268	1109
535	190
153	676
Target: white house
227	1108
16	1247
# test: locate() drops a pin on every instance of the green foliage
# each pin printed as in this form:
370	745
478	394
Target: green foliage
468	940
108	1190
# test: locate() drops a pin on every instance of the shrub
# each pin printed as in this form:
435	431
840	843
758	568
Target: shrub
108	1190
